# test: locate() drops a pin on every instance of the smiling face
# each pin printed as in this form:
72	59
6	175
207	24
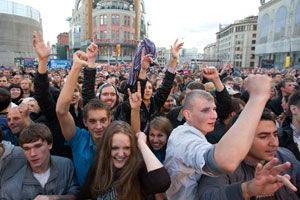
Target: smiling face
120	150
265	143
157	139
15	92
108	95
38	155
96	123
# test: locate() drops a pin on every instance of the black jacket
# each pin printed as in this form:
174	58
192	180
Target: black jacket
156	102
275	105
47	104
286	139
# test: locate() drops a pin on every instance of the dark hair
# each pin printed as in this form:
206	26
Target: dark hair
5	98
267	115
294	99
34	132
282	83
95	104
275	74
225	79
195	85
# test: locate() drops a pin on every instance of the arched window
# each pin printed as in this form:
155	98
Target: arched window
264	27
297	21
79	5
280	23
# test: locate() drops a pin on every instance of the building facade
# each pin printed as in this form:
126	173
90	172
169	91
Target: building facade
210	55
235	43
63	46
279	33
17	23
114	23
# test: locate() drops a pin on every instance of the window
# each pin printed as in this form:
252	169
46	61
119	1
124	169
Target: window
264	29
101	20
128	35
252	48
251	64
297	21
125	20
101	35
105	19
113	19
253	41
254	27
105	35
117	35
254	35
252	56
113	35
280	23
117	19
125	35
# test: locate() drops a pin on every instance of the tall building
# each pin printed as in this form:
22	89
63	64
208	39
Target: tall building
236	43
279	33
163	55
118	22
17	23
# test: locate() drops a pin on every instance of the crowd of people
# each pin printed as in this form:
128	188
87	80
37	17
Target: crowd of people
149	132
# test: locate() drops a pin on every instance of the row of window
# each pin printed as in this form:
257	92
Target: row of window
125	51
115	20
115	35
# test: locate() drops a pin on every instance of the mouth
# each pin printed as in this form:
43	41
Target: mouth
35	160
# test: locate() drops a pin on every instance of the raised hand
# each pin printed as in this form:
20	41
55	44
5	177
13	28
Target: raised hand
80	59
135	99
24	110
259	86
141	137
91	52
175	49
210	73
267	179
146	60
40	47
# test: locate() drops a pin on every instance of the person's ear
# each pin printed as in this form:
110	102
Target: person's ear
293	109
187	115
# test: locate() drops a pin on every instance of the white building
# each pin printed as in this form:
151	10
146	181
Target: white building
236	43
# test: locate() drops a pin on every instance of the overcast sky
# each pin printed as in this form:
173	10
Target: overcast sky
194	21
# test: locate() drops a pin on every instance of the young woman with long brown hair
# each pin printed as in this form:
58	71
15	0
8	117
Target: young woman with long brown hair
119	172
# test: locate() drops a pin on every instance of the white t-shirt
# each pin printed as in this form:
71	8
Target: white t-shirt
42	178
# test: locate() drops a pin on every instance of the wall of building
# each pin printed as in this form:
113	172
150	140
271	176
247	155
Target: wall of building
279	32
16	38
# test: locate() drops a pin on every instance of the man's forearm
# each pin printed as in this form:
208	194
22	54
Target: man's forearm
65	97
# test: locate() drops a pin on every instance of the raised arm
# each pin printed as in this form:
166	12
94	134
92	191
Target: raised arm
152	163
135	100
88	91
41	81
164	90
65	118
235	144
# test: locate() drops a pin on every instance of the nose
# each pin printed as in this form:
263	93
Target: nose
155	139
273	141
120	152
32	152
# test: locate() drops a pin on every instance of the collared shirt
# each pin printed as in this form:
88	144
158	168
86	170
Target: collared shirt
83	150
296	135
188	156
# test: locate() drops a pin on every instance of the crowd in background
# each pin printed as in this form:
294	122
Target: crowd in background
149	132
